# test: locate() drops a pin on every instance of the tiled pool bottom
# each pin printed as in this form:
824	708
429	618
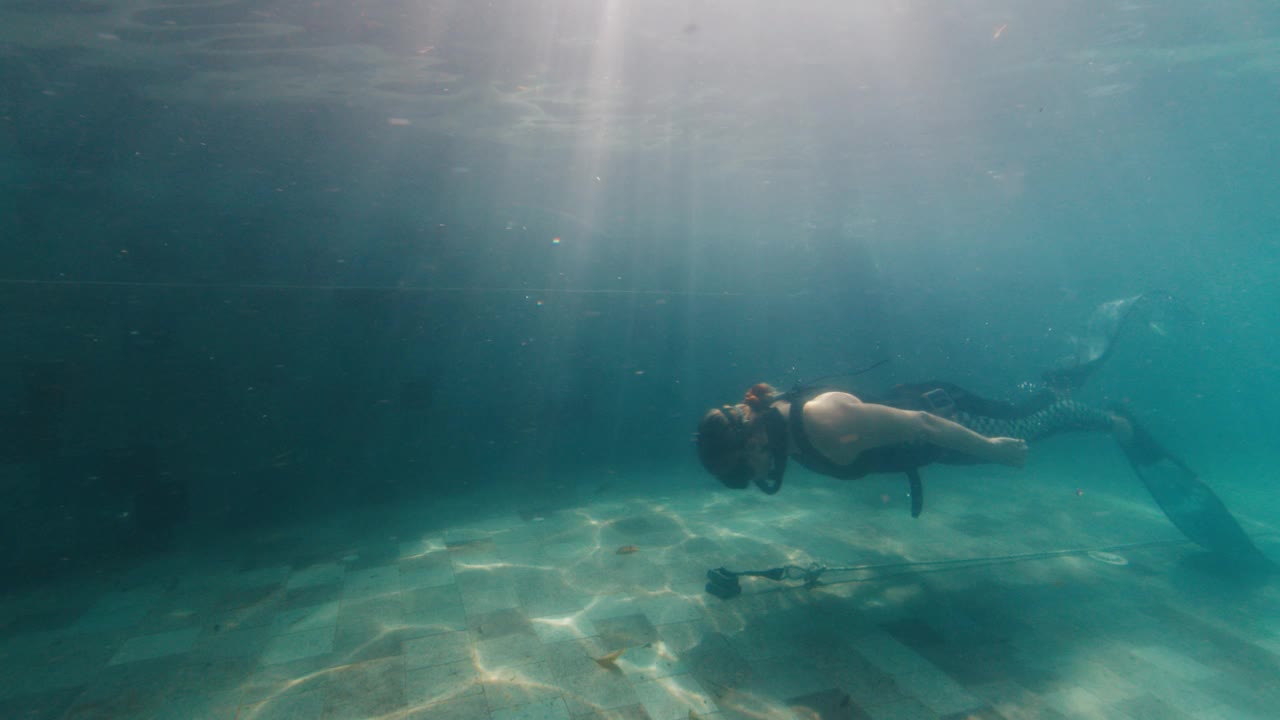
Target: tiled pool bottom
526	613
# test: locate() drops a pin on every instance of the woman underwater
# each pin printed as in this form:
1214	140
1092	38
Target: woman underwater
836	433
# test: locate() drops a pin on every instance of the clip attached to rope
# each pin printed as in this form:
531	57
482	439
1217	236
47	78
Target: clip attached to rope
723	582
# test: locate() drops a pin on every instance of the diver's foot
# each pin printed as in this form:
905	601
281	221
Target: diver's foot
1009	451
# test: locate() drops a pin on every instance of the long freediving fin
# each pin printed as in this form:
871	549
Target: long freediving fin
1190	504
1108	323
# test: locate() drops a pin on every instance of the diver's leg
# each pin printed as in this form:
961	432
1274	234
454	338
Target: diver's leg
1037	417
1057	417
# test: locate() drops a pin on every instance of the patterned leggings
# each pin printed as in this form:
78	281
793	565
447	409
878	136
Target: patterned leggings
1061	416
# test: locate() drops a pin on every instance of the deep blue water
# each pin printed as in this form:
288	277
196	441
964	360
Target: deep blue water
288	256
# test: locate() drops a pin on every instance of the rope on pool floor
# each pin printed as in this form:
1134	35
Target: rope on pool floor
724	583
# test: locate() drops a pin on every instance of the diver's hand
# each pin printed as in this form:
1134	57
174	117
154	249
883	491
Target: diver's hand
1009	451
1122	430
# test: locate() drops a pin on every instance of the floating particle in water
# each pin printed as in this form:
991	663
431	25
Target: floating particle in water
999	31
555	241
399	121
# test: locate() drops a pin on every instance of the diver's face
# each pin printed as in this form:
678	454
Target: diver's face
756	452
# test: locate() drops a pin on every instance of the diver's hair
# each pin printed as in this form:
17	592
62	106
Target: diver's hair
722	435
759	396
720	444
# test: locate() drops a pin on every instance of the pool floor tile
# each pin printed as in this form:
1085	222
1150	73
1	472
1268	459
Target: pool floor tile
517	619
306	618
366	690
438	683
597	691
469	707
523	685
298	646
674	698
437	650
303	706
549	709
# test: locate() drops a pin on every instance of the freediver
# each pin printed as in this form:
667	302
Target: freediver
836	433
833	432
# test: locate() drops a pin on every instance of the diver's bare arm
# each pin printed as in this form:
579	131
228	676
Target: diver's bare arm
897	426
